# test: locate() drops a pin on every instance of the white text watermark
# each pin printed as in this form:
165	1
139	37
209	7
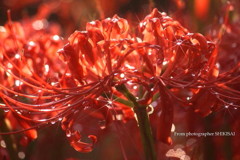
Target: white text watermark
203	134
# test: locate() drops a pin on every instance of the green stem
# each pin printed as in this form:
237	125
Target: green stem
143	123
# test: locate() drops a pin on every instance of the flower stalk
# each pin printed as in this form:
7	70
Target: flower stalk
143	123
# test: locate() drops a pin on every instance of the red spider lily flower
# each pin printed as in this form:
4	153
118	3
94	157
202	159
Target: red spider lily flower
184	59
105	71
23	68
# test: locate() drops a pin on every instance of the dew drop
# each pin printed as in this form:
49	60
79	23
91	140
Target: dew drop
56	38
179	43
68	74
92	23
142	24
129	66
165	62
21	155
108	106
68	133
114	20
6	110
110	102
19	112
122	75
119	117
53	83
135	87
46	67
18	83
31	43
154	103
86	108
17	56
3	144
40	24
227	106
102	124
10	66
173	128
53	122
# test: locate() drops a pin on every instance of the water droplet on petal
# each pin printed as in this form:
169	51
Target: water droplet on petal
68	133
122	75
40	24
56	38
165	62
53	122
102	124
110	102
86	108
17	56
46	67
6	110
18	83
173	128
179	42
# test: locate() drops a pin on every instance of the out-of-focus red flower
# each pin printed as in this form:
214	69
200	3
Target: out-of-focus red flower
22	60
201	8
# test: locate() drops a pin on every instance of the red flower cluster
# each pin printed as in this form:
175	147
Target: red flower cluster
160	63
